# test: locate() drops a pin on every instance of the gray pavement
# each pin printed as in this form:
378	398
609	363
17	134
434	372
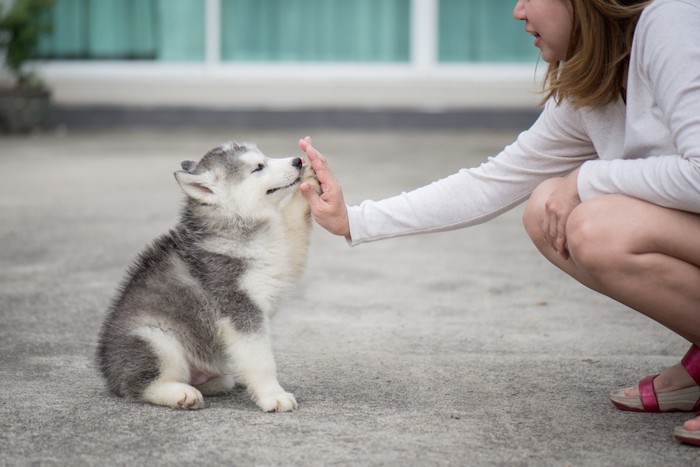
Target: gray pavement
459	348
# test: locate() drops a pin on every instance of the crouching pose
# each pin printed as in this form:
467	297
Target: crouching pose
611	169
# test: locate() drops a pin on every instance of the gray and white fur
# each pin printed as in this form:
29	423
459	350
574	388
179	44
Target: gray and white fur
192	316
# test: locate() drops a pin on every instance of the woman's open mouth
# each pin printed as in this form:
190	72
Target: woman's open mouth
538	38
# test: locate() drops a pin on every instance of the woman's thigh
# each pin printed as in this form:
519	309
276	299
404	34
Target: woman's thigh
616	236
606	229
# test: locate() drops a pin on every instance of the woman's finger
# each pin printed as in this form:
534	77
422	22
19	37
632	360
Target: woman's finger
329	208
560	243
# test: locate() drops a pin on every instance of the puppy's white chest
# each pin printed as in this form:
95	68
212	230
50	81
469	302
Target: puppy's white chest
269	272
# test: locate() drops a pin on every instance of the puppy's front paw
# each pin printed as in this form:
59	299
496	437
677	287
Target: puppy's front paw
278	402
310	178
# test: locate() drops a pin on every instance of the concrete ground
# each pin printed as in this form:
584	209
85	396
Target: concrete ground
460	348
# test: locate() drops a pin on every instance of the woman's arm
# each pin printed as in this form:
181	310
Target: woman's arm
555	145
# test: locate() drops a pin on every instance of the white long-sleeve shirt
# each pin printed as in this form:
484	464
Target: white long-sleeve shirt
648	148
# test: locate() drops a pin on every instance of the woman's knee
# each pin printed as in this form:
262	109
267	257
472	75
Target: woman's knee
591	238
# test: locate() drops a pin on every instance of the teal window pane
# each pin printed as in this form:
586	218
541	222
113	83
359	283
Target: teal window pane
120	29
69	38
315	30
181	30
482	31
126	29
101	29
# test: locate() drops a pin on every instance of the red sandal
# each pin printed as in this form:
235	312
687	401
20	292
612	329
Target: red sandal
682	400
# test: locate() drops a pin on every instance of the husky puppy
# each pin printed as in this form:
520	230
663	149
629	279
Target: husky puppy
193	313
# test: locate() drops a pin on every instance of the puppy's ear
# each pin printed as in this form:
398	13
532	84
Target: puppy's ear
188	166
201	187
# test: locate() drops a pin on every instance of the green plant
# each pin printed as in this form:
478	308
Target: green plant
20	29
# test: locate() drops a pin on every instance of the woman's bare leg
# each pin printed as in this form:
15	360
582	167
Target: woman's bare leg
640	254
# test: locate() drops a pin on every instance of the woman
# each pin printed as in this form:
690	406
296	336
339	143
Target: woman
611	169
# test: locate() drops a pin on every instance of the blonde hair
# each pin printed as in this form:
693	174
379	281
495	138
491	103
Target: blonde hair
595	69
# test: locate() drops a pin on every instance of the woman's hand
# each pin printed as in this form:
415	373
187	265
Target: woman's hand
329	208
563	199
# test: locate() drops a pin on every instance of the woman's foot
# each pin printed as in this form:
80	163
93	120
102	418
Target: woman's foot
671	379
674	390
689	433
693	424
677	388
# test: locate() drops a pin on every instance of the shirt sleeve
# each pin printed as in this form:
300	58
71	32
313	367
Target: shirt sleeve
553	146
666	54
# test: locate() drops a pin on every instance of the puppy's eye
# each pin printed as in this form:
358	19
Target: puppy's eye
258	168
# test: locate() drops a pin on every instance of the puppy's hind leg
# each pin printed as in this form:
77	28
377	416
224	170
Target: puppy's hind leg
170	388
173	394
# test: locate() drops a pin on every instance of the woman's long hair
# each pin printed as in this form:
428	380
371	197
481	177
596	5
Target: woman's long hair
599	51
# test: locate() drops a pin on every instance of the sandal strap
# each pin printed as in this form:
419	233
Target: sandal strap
691	363
647	394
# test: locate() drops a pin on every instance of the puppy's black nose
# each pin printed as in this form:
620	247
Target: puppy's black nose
297	162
